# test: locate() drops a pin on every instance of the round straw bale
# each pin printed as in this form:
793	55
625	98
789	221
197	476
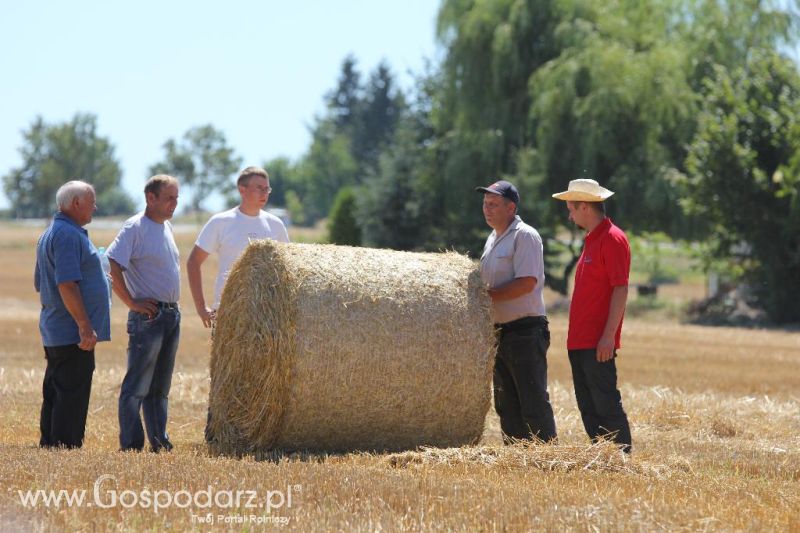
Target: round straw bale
323	347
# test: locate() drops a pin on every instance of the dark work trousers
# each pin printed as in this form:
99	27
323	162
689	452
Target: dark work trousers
520	380
598	398
65	395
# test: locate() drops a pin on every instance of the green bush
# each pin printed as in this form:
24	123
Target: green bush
343	228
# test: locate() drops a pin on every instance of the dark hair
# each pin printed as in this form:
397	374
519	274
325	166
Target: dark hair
599	207
249	172
155	183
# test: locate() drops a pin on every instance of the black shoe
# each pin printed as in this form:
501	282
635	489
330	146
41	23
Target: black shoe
162	446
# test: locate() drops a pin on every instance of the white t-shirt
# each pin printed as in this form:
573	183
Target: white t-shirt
228	234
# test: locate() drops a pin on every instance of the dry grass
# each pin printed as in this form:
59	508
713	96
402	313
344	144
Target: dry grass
714	412
602	457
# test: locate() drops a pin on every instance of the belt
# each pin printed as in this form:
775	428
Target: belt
167	305
526	322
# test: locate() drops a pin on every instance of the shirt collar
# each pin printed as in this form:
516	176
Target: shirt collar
601	229
511	227
64	218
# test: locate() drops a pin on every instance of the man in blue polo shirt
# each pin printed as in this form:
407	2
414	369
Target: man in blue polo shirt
74	317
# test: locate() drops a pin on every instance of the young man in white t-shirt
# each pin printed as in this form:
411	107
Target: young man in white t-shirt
228	234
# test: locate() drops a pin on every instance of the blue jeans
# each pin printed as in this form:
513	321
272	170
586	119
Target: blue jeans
152	345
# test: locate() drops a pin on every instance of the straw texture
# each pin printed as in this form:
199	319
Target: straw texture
333	348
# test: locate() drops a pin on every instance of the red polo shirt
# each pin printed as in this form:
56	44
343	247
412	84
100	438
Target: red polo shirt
604	264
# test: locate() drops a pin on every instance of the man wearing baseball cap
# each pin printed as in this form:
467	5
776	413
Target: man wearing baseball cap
596	312
512	267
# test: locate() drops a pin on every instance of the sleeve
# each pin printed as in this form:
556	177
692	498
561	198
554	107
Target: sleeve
527	256
121	249
208	239
67	257
617	259
283	235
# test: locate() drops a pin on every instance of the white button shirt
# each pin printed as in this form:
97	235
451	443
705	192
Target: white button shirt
517	253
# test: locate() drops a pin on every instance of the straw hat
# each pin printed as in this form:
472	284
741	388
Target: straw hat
584	190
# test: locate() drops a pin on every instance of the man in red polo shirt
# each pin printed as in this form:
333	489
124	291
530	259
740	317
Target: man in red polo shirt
596	311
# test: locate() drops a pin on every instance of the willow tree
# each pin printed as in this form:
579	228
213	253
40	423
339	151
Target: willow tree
480	110
545	91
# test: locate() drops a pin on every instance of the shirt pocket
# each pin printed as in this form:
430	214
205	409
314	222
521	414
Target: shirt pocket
504	267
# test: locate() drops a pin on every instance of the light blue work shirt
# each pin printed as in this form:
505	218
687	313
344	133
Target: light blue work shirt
147	253
517	253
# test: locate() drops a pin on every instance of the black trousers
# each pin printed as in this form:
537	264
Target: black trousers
598	398
520	380
65	395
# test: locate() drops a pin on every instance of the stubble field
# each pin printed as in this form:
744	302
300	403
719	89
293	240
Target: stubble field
715	416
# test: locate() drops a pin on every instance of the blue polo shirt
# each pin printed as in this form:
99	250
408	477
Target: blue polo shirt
65	253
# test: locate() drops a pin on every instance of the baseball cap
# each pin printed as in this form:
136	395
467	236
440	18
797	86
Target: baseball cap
502	188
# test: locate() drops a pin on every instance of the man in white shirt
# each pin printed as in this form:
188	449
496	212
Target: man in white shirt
512	268
228	234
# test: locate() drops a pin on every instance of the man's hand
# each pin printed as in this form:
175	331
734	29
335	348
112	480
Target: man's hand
146	306
73	301
208	316
513	289
616	308
88	336
605	349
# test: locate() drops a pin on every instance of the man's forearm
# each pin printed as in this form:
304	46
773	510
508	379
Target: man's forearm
73	301
147	306
196	284
513	289
120	289
616	309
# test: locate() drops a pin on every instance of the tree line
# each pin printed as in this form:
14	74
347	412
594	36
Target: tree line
688	109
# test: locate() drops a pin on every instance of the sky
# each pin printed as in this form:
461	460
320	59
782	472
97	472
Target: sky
149	71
